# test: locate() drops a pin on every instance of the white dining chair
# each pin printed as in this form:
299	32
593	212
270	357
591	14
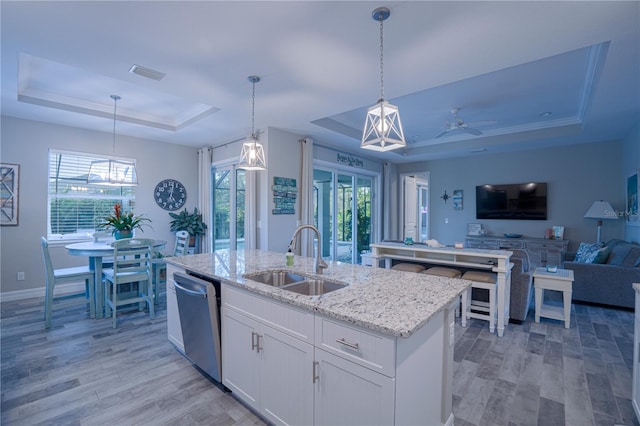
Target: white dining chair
62	276
160	264
131	264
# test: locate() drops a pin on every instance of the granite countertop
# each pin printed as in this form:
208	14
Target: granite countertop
388	301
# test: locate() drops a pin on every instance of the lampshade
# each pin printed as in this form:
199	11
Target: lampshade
382	128
113	172
601	210
252	155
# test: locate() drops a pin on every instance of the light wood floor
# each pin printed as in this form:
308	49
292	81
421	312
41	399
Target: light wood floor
82	372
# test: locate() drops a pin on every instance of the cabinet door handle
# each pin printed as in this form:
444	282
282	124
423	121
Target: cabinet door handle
258	347
314	374
253	340
342	341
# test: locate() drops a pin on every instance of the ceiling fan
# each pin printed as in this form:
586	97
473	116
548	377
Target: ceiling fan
459	125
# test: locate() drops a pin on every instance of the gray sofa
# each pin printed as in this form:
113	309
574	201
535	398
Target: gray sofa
608	283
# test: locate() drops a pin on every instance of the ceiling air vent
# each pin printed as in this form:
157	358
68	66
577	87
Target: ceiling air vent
146	72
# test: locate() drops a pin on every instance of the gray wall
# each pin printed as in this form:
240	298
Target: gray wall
27	143
576	175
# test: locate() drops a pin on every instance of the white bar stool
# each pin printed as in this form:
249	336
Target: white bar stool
478	309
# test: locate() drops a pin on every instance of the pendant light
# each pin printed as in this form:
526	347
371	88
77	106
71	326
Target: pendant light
252	156
382	129
113	172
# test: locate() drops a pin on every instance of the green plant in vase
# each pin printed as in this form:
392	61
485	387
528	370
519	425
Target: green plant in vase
190	222
122	224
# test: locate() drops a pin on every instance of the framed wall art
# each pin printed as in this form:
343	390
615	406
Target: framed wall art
457	199
9	191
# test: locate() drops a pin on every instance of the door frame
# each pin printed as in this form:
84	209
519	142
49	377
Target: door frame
376	188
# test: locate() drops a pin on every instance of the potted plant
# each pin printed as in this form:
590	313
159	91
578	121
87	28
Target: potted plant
190	222
122	224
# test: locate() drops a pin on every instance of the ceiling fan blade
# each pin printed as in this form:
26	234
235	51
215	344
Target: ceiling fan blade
471	131
482	123
444	132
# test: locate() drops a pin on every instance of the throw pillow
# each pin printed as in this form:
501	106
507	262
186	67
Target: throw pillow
619	254
601	255
585	251
632	257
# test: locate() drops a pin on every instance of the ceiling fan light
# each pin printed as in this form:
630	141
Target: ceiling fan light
383	128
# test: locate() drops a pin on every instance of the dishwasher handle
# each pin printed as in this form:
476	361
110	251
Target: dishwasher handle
200	291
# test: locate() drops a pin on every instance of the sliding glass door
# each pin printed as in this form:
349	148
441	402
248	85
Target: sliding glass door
343	209
228	208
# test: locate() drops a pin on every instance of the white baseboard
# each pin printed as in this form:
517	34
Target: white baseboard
11	296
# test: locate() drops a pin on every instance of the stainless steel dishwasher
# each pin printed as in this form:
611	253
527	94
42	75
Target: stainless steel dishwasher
198	307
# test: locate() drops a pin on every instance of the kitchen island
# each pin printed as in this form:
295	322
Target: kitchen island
379	351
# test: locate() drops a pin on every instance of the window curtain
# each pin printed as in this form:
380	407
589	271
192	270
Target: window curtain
204	195
306	195
390	202
250	209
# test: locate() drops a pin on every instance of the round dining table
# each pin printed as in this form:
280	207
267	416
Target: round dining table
96	251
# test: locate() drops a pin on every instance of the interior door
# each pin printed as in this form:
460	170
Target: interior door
410	211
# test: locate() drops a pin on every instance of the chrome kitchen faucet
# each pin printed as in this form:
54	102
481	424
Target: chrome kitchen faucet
319	264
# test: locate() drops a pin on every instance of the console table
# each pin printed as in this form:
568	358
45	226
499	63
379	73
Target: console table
497	261
541	251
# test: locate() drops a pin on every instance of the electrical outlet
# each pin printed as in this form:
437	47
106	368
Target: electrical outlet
20	276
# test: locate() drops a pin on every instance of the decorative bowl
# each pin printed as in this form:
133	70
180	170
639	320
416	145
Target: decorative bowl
513	235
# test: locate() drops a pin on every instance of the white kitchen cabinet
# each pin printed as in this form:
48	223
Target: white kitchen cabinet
269	369
239	356
349	394
286	378
635	398
295	366
174	330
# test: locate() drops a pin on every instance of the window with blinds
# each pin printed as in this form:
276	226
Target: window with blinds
75	207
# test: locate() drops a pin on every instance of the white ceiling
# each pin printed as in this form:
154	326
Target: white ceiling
502	63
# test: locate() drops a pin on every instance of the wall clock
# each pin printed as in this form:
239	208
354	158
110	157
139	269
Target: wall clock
170	194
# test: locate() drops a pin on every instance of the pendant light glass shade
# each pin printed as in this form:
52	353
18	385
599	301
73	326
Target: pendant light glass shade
113	172
252	156
382	128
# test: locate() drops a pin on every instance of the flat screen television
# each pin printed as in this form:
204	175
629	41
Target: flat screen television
521	201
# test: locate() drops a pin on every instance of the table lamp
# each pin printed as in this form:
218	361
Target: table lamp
601	210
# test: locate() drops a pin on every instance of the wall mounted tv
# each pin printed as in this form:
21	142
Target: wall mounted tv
523	201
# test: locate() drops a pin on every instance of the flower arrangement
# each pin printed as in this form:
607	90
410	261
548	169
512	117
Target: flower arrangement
120	222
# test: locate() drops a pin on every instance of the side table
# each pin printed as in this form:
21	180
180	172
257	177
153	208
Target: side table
561	280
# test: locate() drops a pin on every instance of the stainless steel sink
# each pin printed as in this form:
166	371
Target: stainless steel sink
301	284
277	278
314	287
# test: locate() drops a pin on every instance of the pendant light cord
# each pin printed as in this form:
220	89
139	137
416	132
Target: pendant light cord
115	106
381	60
253	110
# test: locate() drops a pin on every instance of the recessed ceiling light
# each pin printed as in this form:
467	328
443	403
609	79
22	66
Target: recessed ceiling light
545	114
146	72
